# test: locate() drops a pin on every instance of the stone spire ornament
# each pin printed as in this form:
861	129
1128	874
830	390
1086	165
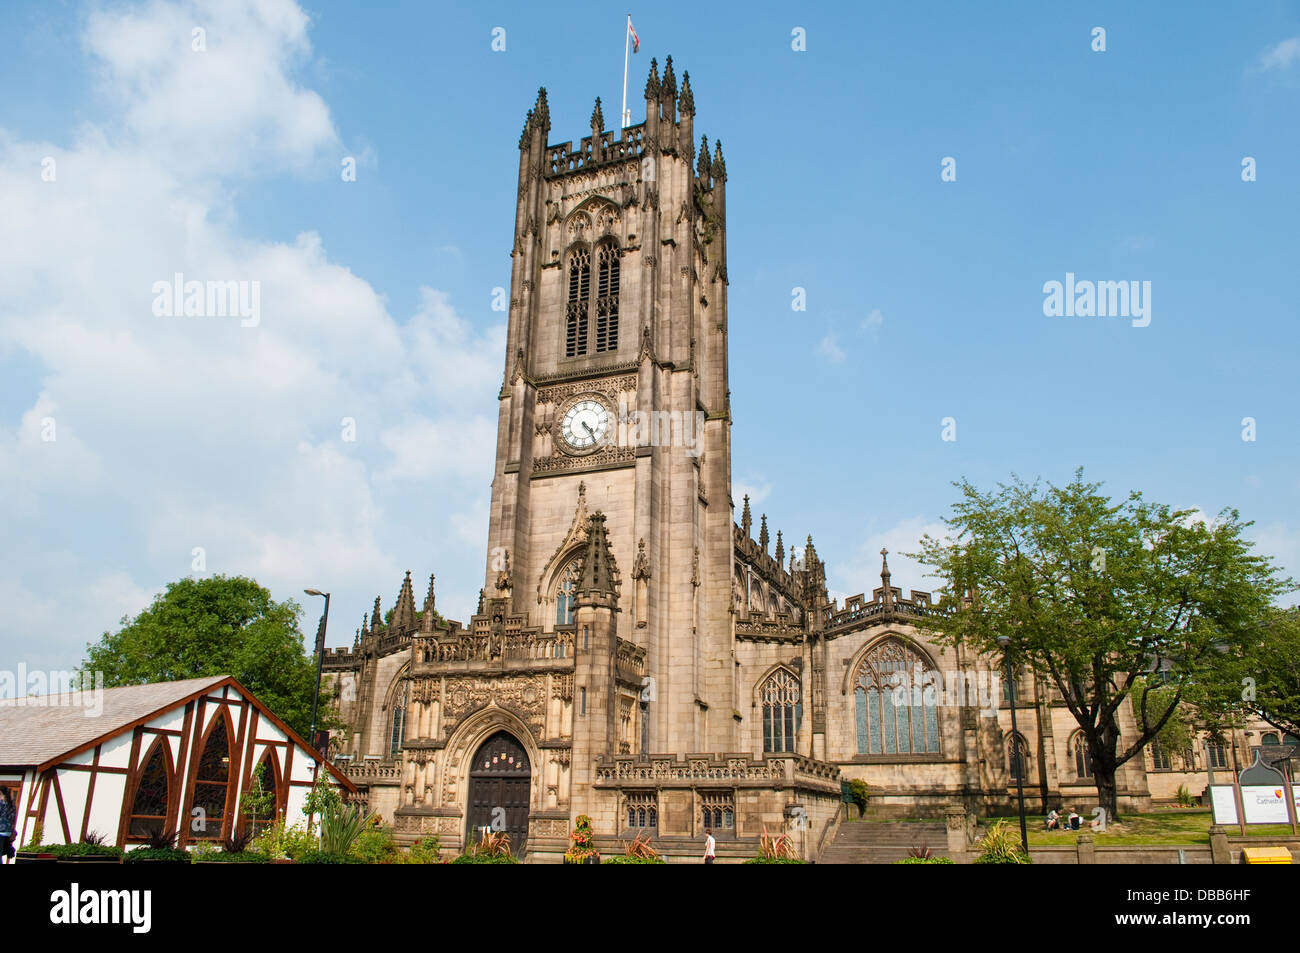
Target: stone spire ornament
746	521
762	533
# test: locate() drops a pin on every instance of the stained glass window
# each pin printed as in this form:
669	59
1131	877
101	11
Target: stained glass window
1017	756
149	808
398	733
896	696
1083	757
211	784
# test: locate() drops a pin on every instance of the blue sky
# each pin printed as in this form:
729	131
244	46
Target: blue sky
924	297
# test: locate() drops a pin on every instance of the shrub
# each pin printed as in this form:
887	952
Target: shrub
775	860
924	860
158	839
859	790
1184	797
324	857
141	854
375	845
920	853
232	857
423	851
84	849
633	860
340	827
237	842
475	858
780	847
38	834
281	841
1001	845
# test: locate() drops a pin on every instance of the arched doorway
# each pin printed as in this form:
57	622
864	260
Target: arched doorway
499	782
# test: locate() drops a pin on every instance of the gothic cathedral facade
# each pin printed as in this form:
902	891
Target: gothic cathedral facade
637	656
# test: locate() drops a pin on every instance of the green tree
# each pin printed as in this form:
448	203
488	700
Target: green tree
216	626
1266	674
1093	594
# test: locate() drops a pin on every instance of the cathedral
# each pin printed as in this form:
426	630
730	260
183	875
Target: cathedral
638	656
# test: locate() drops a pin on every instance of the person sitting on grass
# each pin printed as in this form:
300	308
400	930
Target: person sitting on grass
1074	820
1053	820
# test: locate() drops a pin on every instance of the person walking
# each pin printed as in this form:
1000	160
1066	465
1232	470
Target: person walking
710	845
8	815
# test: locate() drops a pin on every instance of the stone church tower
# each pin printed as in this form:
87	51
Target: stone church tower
637	656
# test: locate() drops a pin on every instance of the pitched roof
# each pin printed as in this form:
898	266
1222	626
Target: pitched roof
33	734
38	728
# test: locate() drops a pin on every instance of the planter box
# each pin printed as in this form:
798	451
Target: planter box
33	857
90	859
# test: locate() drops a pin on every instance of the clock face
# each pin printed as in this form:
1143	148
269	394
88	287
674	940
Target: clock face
585	425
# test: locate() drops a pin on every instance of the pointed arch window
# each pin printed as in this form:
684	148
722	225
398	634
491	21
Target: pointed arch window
397	724
565	590
1017	759
896	693
607	298
575	319
264	786
782	711
211	784
152	794
1083	756
587	317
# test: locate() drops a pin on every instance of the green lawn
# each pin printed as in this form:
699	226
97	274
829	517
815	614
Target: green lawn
1177	828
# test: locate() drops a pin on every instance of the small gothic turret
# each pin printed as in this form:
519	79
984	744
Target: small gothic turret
719	166
703	166
404	611
528	128
686	101
780	549
597	120
376	617
598	575
668	92
652	81
746	521
686	120
428	598
887	591
762	533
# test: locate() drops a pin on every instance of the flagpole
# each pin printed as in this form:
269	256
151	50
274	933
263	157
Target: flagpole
627	32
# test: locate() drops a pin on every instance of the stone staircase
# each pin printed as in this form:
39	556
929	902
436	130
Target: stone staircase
883	842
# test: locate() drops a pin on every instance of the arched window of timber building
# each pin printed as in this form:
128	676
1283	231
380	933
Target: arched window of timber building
264	804
564	593
211	784
896	692
152	794
782	711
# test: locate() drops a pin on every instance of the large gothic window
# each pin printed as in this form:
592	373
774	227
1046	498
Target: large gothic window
149	806
896	693
782	711
564	593
1017	758
211	783
575	319
607	298
264	787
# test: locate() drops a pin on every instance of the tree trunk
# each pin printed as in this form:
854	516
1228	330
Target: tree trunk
1106	794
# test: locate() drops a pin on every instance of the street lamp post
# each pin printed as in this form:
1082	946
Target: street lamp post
1004	641
315	698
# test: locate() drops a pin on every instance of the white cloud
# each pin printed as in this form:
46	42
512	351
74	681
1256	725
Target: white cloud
831	349
180	432
872	323
860	573
1281	55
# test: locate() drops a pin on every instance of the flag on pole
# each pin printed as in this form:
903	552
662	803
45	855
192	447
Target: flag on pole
636	42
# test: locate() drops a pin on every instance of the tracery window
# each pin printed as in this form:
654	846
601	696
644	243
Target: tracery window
266	812
607	298
564	594
643	811
575	319
1159	756
1218	754
718	810
583	315
1083	756
1017	758
896	692
149	806
211	784
782	711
